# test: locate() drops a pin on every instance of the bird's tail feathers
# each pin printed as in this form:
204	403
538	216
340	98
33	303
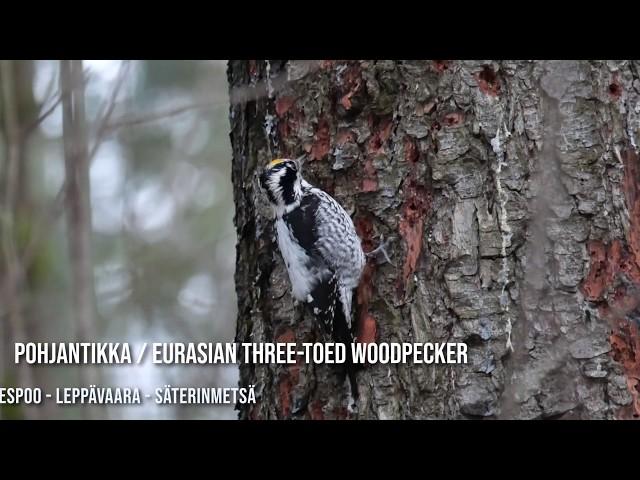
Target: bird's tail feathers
326	306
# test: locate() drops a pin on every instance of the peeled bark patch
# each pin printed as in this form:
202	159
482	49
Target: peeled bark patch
441	65
289	377
625	343
411	227
615	89
315	411
350	91
453	119
285	396
488	81
600	274
631	180
283	104
614	279
321	141
366	328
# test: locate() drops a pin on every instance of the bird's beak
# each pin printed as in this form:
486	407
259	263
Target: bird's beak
300	160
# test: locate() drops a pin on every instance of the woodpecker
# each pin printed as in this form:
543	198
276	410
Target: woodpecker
321	250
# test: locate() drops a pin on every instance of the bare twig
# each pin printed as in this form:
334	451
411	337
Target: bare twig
132	120
107	109
46	112
43	116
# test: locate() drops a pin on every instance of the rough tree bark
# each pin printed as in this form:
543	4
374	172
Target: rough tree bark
511	190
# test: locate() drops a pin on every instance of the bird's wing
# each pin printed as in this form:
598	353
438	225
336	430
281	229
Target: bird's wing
324	293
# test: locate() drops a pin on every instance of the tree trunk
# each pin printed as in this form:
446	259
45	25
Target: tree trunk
13	271
510	191
78	208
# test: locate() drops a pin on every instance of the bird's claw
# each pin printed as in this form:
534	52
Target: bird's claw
380	249
352	406
300	405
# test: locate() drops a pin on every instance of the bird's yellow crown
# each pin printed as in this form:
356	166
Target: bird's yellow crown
275	162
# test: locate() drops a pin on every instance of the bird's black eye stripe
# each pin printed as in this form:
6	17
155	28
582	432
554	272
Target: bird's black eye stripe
286	182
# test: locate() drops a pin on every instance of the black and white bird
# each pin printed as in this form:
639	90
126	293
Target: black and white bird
321	250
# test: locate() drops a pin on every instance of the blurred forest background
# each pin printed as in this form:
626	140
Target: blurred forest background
116	222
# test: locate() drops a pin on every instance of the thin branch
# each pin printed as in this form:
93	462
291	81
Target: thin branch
128	121
42	117
108	109
49	110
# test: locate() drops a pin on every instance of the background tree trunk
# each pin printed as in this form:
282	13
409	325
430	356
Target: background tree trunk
78	205
14	204
510	189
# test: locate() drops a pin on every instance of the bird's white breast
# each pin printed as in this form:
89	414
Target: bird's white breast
296	261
